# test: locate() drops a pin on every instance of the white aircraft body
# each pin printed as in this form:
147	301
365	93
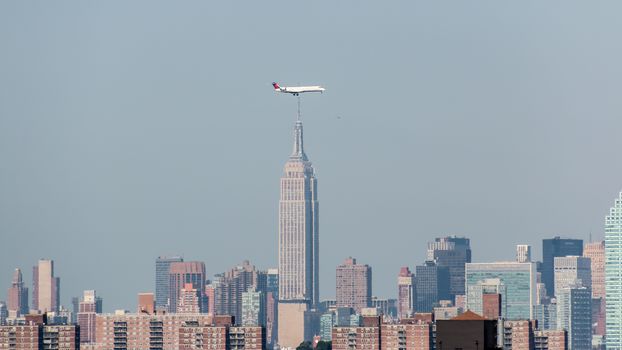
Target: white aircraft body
296	90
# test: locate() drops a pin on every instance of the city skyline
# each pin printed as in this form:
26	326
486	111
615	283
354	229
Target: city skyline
144	151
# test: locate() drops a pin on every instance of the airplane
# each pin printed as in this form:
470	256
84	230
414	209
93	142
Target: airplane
296	90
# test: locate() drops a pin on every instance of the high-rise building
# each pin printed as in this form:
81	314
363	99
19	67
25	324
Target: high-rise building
146	303
613	275
519	280
162	280
159	331
180	273
231	285
453	252
46	287
405	293
353	285
432	284
523	253
546	315
298	244
596	252
17	300
569	270
4	313
488	297
40	337
86	317
189	300
574	314
557	247
253	308
272	297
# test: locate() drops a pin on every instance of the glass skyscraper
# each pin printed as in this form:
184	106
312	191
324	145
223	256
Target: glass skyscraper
162	280
519	280
613	275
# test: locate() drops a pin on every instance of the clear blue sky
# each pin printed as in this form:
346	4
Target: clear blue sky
130	129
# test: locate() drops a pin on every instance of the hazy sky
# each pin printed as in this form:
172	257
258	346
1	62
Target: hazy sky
131	129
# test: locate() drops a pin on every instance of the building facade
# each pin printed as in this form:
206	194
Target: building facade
595	251
86	316
452	252
519	280
570	270
181	273
298	244
574	314
46	287
162	280
17	301
232	284
432	284
523	253
557	247
613	275
353	285
405	293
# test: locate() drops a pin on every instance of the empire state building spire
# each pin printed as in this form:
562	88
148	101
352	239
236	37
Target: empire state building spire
299	152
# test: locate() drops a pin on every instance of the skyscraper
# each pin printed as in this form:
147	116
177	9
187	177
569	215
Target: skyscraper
574	314
86	317
231	285
46	287
188	302
405	293
253	308
298	244
557	247
162	280
596	252
519	280
453	252
432	284
180	273
353	285
613	275
570	270
17	300
523	253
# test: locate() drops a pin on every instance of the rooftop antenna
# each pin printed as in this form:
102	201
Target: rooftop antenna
298	117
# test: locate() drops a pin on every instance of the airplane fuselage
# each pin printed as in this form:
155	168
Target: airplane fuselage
295	90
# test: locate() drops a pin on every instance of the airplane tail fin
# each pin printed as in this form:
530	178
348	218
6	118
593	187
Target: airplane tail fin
276	86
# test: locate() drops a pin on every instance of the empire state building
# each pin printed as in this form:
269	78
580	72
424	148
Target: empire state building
298	244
